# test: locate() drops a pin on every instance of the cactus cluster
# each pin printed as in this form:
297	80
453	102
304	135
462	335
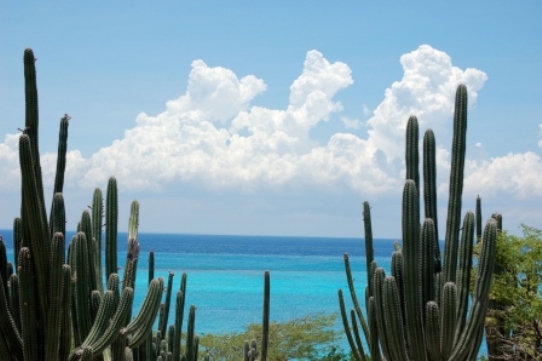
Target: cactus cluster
422	311
53	306
57	305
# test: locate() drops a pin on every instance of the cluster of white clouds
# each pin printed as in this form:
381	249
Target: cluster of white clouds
212	135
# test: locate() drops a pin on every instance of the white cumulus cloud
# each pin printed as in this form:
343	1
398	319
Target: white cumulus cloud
213	136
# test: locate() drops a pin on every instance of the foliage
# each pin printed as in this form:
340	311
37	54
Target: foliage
517	288
308	338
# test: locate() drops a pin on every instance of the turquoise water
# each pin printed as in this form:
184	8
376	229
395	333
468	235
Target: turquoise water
225	274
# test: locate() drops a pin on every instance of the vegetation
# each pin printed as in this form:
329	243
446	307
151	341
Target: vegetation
54	307
515	326
308	338
422	311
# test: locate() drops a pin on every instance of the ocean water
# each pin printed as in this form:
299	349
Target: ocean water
225	274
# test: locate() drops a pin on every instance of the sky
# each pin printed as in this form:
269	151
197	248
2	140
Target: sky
274	118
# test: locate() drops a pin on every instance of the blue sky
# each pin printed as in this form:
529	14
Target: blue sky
276	118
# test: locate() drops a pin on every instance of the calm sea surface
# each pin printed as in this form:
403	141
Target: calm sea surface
225	274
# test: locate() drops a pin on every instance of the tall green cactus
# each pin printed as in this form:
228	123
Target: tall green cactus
35	305
422	311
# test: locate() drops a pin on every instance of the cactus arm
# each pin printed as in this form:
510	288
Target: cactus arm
66	330
369	251
59	175
354	297
97	223
32	121
374	348
478	219
138	330
165	314
57	221
265	316
112	331
17	238
397	271
464	269
379	276
191	338
412	151
464	341
14	304
430	189
105	311
427	262
411	230
392	319
61	154
8	327
4	265
355	331
56	293
28	306
111	223
179	313
132	258
355	352
35	215
432	317
456	184
82	285
448	322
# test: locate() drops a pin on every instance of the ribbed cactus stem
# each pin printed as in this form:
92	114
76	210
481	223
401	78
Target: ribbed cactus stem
353	295
394	327
32	118
478	219
8	327
27	299
56	294
469	339
165	315
464	269
35	217
412	152
66	329
430	190
61	154
3	264
14	304
83	289
57	222
179	314
456	184
191	338
427	264
369	251
97	225
138	330
411	234
265	317
448	321
111	224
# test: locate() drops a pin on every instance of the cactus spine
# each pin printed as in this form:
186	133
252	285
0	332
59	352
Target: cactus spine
428	301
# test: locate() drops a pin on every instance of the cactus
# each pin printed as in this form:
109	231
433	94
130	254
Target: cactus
422	310
49	298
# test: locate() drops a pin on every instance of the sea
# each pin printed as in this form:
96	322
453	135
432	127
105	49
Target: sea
225	274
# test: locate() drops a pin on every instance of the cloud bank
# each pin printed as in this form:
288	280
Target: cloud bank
214	137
